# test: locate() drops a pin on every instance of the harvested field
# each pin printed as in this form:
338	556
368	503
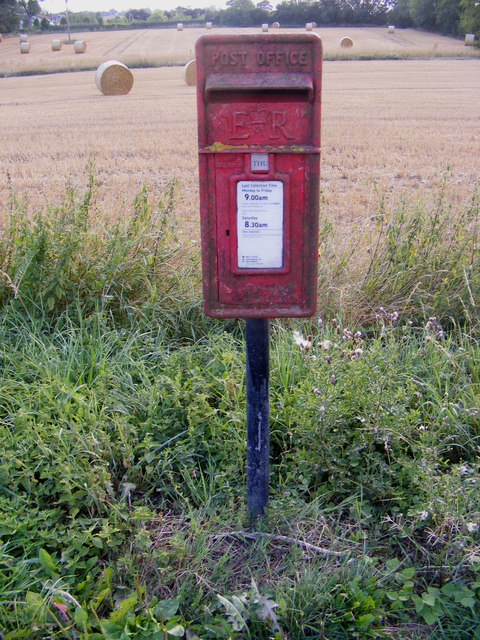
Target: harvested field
390	128
160	47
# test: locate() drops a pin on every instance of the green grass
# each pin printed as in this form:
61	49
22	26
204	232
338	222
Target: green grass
122	429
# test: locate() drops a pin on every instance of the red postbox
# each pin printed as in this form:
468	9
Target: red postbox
259	158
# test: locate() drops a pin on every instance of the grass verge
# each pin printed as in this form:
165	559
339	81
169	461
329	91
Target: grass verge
122	479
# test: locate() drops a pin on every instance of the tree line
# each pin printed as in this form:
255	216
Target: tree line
453	17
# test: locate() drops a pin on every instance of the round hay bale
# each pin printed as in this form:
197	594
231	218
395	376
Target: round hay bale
179	26
80	46
23	37
24	47
1	37
56	45
264	27
208	25
113	78
189	73
391	28
309	26
469	38
346	43
275	25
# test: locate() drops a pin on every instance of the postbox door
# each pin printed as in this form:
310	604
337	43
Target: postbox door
257	238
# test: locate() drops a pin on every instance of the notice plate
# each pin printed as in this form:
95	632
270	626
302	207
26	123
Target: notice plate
260	224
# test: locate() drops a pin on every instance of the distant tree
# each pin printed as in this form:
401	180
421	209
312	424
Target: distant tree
8	16
470	17
294	12
81	17
14	11
266	5
44	24
399	14
238	13
138	15
99	18
28	10
330	12
422	13
157	16
447	15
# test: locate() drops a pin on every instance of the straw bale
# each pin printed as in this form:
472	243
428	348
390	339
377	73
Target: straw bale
469	38
346	43
264	27
80	46
113	78
208	25
25	47
189	73
56	45
391	28
23	37
275	25
309	26
1	37
179	26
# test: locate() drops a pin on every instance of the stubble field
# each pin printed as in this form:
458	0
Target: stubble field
161	47
389	129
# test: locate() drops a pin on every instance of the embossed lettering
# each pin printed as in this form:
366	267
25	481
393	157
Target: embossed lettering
279	120
272	124
279	58
229	58
239	122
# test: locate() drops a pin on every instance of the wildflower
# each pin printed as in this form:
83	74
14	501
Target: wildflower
358	352
325	344
300	341
472	527
332	380
320	323
329	359
358	335
317	391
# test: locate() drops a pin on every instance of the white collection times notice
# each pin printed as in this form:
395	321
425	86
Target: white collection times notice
260	224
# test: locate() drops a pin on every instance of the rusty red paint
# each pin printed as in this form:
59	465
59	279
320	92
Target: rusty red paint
259	95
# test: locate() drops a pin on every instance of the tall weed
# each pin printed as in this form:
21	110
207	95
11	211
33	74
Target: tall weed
421	261
66	256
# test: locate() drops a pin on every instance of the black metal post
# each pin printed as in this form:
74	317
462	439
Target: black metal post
257	345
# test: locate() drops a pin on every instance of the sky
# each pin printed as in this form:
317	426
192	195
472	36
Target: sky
57	6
